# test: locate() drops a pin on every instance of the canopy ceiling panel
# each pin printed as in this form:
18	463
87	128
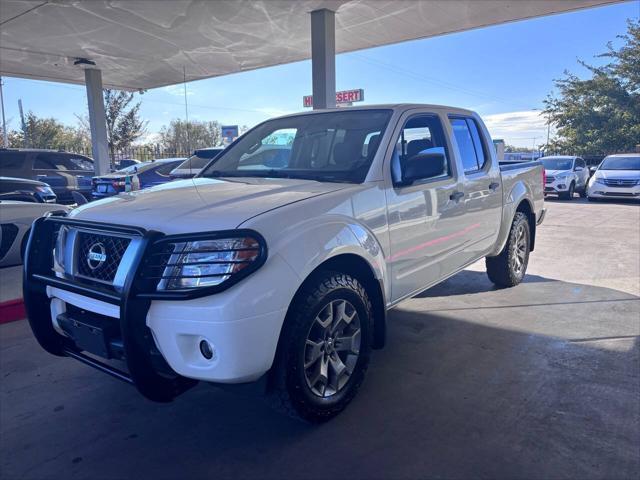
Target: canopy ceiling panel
142	44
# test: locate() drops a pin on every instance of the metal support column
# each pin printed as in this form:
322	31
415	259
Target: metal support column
323	58
97	120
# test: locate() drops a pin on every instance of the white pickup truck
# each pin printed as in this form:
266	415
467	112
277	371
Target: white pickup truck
279	261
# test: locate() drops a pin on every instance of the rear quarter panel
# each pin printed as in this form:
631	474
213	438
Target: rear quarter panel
521	182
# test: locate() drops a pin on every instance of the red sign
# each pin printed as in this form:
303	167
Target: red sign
346	96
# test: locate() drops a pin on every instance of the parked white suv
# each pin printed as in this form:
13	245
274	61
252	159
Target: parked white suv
565	175
282	269
617	176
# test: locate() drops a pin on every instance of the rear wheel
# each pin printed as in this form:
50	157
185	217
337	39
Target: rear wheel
324	349
509	267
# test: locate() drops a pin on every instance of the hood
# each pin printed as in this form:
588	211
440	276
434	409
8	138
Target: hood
201	204
554	173
618	174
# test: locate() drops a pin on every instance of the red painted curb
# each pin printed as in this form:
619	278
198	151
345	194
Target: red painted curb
12	310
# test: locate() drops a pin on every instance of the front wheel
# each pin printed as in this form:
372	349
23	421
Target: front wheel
568	195
583	192
508	268
324	349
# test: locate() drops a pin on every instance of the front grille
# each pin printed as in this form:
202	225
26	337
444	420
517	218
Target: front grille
621	183
551	179
98	256
618	194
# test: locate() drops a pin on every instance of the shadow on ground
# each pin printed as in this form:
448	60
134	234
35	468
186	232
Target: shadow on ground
529	382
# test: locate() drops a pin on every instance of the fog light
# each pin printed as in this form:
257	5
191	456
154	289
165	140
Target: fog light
562	186
206	349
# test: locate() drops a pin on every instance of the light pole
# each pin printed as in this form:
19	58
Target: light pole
534	147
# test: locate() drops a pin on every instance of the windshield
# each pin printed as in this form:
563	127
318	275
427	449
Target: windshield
196	162
620	163
333	147
557	163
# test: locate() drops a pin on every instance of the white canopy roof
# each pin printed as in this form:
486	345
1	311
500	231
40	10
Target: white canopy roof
145	44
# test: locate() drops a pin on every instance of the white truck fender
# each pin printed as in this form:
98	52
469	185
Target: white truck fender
518	193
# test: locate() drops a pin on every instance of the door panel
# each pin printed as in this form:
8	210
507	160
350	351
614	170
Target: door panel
482	186
424	233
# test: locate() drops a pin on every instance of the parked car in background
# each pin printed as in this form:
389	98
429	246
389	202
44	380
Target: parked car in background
64	172
284	274
126	162
141	176
617	176
15	224
195	163
565	176
21	189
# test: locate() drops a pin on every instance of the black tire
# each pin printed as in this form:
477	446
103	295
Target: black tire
290	391
569	194
583	192
591	199
503	269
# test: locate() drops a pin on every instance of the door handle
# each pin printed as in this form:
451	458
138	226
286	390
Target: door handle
494	186
456	196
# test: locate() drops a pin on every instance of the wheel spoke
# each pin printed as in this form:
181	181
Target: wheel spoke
341	317
350	343
325	317
312	353
320	377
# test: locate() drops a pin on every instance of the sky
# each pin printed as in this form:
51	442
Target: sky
502	72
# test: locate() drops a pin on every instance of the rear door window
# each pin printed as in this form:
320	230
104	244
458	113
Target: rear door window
12	161
57	161
473	152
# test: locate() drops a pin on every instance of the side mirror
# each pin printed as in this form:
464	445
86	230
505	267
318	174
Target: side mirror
427	164
135	169
592	170
578	169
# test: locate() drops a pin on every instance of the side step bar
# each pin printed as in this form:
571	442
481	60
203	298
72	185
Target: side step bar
103	367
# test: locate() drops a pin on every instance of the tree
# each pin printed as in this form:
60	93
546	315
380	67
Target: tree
183	137
49	133
600	115
124	125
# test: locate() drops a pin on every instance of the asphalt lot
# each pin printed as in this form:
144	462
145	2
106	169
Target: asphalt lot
538	381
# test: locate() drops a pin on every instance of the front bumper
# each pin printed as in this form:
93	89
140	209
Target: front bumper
597	190
157	339
557	186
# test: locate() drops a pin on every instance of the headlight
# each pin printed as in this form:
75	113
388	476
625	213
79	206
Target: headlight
44	189
599	180
59	249
562	176
206	262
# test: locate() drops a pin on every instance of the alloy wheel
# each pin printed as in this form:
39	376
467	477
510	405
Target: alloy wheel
332	348
520	250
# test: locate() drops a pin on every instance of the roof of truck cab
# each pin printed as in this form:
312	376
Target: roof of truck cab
384	106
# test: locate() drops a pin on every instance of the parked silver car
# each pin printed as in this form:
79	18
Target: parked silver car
565	175
617	176
15	224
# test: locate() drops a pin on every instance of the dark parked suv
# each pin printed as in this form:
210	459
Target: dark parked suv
64	172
